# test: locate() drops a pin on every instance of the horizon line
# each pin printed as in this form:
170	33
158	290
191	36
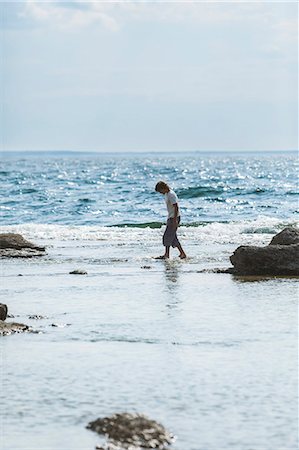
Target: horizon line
149	151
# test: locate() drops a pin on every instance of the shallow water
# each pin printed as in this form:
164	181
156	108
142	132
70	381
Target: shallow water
211	356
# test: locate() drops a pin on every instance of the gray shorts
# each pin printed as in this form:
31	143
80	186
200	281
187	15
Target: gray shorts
170	238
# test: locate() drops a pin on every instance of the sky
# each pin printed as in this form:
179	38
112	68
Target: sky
148	76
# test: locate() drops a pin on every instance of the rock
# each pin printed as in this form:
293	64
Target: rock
3	311
24	253
37	317
78	272
288	236
15	246
216	270
131	431
269	260
16	241
280	257
7	328
109	446
146	267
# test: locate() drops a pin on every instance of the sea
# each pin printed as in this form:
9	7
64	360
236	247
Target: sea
212	356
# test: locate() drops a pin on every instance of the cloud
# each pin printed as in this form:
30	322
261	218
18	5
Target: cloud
69	15
275	23
115	14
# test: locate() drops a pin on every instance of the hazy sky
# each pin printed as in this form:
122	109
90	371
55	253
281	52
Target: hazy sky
119	76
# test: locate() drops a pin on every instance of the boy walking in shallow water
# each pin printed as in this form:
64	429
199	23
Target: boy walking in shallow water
170	238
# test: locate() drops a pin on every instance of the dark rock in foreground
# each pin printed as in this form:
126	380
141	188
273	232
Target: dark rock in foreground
3	311
15	246
132	431
7	328
273	259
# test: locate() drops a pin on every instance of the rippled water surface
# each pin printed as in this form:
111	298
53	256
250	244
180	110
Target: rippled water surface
119	189
211	356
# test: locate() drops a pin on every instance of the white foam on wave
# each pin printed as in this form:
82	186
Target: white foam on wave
77	233
258	230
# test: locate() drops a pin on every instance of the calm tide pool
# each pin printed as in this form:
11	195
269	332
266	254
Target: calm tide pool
212	356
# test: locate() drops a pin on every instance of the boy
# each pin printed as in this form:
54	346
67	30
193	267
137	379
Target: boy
170	238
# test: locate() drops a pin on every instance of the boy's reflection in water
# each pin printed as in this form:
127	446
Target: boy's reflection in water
172	274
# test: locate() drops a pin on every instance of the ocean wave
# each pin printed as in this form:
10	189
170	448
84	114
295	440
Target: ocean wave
138	225
155	225
200	191
211	192
199	232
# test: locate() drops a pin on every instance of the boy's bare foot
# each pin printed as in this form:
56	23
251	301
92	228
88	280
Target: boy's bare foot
182	255
162	257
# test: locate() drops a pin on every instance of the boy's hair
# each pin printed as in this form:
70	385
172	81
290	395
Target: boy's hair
161	185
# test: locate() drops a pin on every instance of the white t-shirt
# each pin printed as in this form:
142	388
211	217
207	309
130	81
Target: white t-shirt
170	199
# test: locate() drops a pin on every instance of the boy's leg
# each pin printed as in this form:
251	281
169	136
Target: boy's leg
166	254
182	254
166	241
176	243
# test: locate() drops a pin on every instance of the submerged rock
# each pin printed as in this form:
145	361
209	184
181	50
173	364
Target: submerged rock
109	446
7	328
37	317
273	259
3	311
23	253
15	246
78	272
131	431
